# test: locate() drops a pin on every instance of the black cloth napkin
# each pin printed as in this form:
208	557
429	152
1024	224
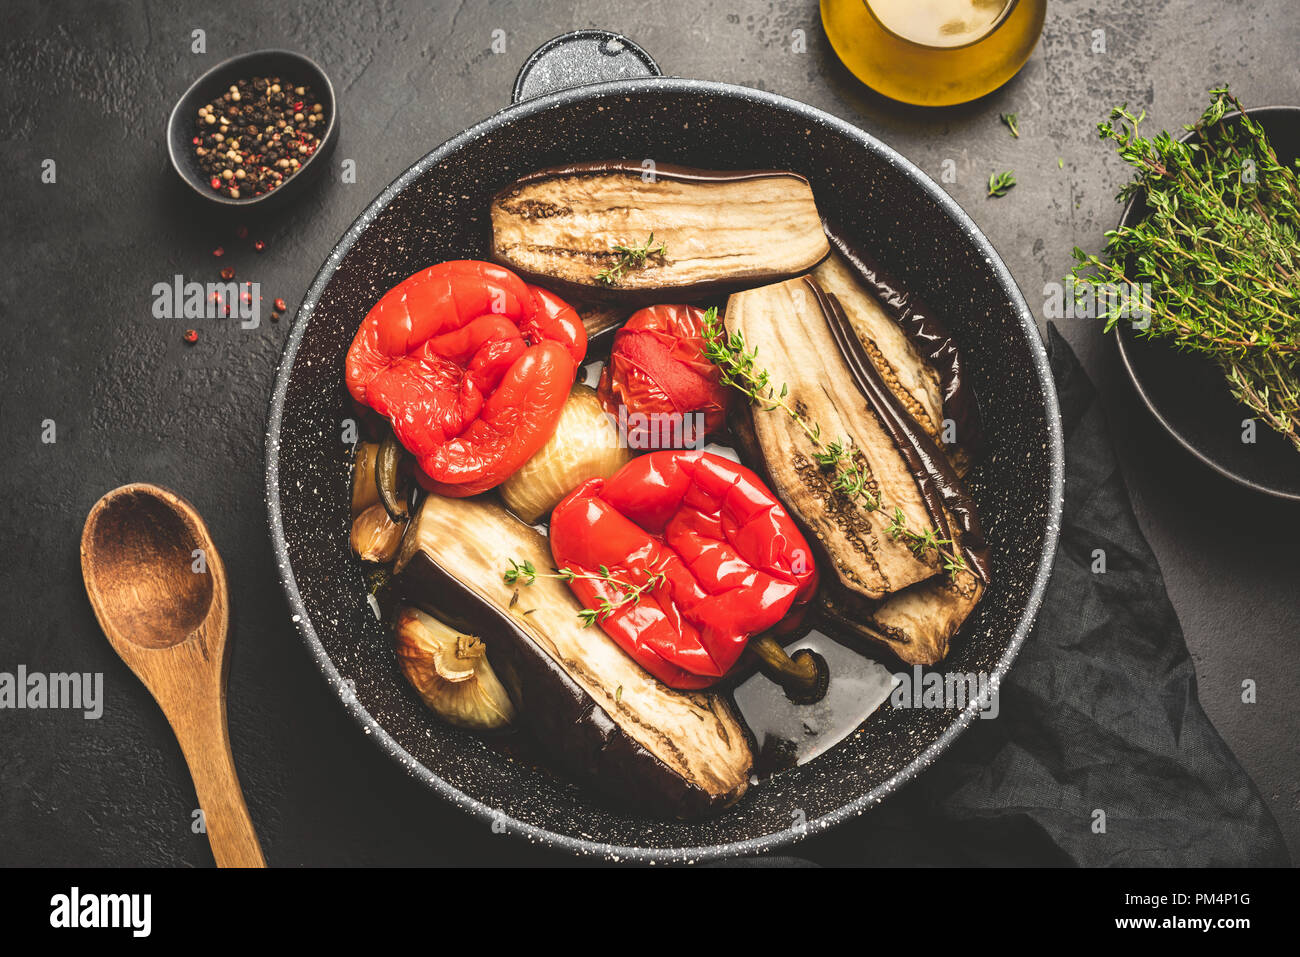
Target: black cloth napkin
1099	713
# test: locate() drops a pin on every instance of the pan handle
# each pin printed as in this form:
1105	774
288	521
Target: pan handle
579	58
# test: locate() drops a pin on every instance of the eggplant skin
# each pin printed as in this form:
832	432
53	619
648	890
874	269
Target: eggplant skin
909	376
723	230
929	335
622	745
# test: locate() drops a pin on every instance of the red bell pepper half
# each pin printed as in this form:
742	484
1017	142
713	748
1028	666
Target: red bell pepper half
733	561
472	366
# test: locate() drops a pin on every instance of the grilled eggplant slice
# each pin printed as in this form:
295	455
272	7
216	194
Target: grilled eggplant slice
881	590
926	331
916	625
913	381
602	716
787	325
719	230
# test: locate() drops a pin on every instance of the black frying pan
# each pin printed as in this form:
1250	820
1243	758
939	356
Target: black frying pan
437	210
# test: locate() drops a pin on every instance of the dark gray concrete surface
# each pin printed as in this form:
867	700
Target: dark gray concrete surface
90	87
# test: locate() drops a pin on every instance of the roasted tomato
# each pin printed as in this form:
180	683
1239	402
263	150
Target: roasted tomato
657	376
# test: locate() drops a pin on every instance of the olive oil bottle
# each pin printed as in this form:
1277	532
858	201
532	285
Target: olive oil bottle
933	52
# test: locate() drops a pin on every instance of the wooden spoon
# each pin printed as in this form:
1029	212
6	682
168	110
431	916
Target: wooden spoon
167	614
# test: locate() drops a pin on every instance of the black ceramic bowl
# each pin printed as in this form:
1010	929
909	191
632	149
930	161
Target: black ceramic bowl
437	210
1187	394
284	63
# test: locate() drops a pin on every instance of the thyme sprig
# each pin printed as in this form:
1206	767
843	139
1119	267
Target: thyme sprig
739	369
1220	249
1012	122
630	256
1001	183
525	573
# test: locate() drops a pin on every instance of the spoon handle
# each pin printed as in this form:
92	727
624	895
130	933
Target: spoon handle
205	742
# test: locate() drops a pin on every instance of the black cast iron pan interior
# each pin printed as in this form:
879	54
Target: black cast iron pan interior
437	210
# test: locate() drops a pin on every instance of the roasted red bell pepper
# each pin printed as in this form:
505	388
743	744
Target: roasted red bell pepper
657	371
732	560
471	365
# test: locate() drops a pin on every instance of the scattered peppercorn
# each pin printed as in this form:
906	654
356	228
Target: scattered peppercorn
279	305
241	232
275	316
257	134
219	251
191	336
228	272
259	246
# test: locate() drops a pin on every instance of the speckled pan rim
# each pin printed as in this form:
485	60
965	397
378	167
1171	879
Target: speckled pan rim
580	846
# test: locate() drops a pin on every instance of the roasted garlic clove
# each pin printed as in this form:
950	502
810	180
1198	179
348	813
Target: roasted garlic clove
451	673
376	537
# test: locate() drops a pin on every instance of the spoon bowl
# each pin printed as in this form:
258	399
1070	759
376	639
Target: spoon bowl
146	551
157	585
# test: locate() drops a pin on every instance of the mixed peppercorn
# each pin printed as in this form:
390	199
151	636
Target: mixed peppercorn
191	336
257	134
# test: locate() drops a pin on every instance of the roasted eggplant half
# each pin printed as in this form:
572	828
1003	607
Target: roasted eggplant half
596	711
914	382
868	293
884	587
620	232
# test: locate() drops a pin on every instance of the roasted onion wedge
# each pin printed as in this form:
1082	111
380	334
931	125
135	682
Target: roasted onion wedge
719	230
599	713
585	445
450	672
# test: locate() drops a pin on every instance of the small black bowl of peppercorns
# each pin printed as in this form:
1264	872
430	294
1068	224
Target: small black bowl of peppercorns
255	128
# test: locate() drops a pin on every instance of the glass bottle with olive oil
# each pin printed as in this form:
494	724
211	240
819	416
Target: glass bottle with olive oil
933	52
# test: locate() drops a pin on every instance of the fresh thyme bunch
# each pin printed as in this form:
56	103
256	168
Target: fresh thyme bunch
740	370
1220	249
